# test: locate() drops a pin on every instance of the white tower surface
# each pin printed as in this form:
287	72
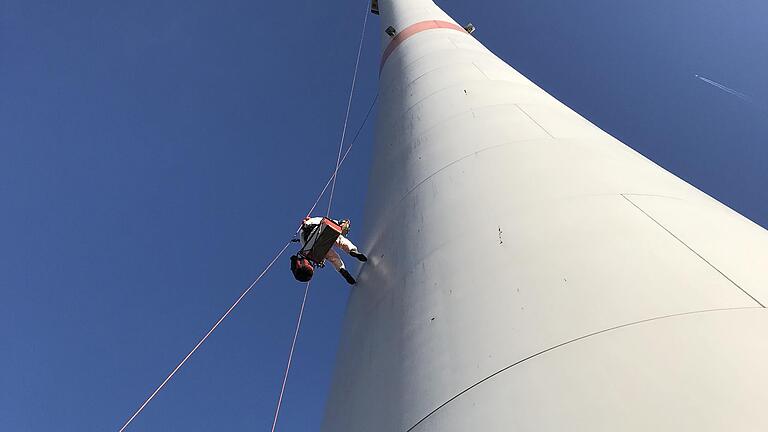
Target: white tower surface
529	272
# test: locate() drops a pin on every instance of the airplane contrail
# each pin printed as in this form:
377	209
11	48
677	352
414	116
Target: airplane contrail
725	88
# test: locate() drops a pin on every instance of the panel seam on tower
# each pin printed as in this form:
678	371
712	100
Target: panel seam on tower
402	114
692	250
466	156
533	120
568	342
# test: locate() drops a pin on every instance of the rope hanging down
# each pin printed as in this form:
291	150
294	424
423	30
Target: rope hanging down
290	357
349	105
231	308
330	201
343	158
279	254
331	181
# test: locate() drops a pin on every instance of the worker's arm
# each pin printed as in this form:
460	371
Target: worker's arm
312	221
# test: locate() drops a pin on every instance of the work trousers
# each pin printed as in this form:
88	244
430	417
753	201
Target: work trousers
344	244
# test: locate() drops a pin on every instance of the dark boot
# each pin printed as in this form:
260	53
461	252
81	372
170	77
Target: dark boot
358	255
347	276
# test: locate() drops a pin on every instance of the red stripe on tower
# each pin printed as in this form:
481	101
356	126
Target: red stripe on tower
414	29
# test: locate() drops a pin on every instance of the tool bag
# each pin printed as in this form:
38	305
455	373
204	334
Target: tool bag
320	240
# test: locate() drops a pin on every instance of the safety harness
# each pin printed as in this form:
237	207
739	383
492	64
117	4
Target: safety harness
318	240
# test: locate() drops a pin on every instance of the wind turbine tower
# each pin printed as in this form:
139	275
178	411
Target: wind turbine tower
529	272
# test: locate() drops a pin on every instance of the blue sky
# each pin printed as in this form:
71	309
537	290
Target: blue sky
155	155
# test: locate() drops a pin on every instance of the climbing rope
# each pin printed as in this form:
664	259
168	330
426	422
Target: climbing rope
290	357
330	201
343	158
332	182
306	289
349	105
226	314
301	312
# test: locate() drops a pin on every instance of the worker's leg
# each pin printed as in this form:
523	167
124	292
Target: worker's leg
344	244
335	259
347	246
338	264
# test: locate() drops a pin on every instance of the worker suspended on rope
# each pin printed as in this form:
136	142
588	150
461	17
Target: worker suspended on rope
318	235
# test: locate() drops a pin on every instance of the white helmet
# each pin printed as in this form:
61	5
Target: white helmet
345	226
